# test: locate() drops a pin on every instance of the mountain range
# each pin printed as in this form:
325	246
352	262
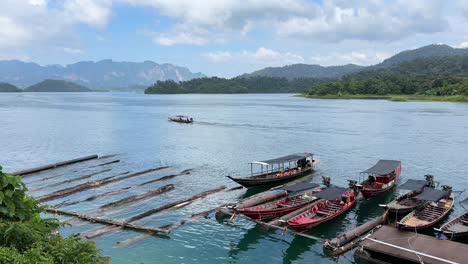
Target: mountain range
105	74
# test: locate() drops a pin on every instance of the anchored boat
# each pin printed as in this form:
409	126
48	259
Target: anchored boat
380	178
457	228
334	202
407	202
278	170
439	203
181	119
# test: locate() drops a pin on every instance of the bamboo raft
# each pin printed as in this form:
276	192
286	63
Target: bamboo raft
91	173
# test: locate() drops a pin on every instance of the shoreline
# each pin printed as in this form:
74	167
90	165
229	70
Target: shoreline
393	98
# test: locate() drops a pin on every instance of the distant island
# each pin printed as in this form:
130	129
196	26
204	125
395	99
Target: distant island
8	88
215	85
56	86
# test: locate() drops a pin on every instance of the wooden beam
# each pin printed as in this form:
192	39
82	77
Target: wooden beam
115	223
94	184
105	163
53	165
70	180
182	202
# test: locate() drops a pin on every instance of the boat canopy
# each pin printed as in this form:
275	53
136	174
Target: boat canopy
331	193
413	185
383	167
432	195
288	158
302	186
465	201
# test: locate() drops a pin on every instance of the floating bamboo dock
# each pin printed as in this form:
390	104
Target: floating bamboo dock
94	172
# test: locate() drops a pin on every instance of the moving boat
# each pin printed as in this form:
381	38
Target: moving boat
439	203
457	228
298	195
407	202
181	119
278	170
380	178
334	202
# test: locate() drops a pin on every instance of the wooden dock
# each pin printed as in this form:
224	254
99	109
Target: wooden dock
390	245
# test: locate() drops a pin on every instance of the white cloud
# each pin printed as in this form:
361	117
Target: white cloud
463	45
95	13
184	34
262	56
72	51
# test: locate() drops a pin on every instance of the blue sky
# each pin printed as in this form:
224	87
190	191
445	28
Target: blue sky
226	37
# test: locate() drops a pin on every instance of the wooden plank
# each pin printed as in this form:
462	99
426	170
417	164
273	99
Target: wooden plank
105	163
54	165
169	227
121	190
70	180
110	222
161	208
94	184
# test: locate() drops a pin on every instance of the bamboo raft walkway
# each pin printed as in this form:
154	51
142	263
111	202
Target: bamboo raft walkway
94	172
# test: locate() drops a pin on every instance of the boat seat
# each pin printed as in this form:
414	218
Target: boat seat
464	221
323	213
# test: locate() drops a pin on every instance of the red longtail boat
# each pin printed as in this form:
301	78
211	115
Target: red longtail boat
299	194
334	202
380	178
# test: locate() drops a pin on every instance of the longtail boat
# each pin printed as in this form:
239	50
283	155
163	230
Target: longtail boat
299	195
457	228
439	203
407	202
278	170
181	119
334	202
380	178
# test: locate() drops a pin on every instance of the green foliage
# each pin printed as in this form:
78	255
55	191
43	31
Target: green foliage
8	88
217	85
26	238
56	86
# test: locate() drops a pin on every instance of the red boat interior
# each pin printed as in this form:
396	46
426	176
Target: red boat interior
377	182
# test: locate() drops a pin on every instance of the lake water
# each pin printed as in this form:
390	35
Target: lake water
348	136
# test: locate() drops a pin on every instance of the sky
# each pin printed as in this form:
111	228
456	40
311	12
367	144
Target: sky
226	37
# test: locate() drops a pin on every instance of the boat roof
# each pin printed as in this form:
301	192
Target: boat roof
413	185
288	158
331	193
383	167
301	186
432	195
465	201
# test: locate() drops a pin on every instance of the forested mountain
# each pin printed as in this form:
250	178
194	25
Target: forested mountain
106	74
237	85
8	88
56	86
296	71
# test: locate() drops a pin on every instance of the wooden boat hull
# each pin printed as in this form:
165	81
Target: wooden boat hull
302	223
276	208
180	121
251	182
426	217
371	193
457	228
395	207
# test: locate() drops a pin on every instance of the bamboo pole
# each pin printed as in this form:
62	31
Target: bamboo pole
94	184
70	180
159	209
121	190
53	165
137	197
105	163
108	221
167	177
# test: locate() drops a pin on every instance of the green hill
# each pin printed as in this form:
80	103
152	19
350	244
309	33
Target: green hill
56	86
297	71
8	88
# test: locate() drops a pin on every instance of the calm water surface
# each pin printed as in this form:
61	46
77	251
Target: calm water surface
348	136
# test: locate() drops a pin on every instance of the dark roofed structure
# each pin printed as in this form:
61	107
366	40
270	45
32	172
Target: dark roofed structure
413	185
288	158
432	195
383	167
331	193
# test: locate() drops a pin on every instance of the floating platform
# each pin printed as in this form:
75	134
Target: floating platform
390	245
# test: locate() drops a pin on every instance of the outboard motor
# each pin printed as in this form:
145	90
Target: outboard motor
430	180
326	180
447	188
353	185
